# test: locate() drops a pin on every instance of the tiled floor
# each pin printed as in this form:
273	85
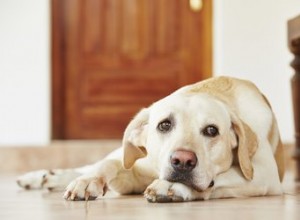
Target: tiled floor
16	203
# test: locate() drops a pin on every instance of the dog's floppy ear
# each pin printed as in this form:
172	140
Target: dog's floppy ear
134	139
247	146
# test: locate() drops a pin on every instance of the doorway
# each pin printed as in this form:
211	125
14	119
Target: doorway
111	58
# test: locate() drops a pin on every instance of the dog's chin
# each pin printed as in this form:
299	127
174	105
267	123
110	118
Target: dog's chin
191	185
189	181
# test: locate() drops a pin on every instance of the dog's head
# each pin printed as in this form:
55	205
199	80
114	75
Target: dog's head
190	139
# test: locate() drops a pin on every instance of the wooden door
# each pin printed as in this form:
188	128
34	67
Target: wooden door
113	57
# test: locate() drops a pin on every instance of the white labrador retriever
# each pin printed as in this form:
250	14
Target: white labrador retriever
214	139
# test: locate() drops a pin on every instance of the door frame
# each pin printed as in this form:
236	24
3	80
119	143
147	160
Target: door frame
57	68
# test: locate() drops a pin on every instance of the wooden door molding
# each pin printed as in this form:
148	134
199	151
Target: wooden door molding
129	64
57	64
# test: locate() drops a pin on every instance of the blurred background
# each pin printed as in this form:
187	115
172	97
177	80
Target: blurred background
80	70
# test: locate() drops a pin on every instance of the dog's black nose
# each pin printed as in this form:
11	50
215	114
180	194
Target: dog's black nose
183	161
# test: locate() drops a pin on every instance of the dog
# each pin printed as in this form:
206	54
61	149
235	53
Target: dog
217	138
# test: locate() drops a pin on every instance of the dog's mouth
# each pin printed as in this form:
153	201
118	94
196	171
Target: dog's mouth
189	180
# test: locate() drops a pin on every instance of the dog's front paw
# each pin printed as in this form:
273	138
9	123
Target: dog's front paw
86	188
161	191
164	191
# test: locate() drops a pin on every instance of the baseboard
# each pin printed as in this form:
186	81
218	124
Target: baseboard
59	154
67	154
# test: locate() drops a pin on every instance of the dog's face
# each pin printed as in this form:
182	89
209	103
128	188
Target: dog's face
191	138
188	138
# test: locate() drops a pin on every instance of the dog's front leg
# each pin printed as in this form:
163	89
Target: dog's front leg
110	174
94	183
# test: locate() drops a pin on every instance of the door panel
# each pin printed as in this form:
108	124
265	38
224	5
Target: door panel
113	57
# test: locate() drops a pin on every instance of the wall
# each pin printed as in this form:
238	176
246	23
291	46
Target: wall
250	41
24	72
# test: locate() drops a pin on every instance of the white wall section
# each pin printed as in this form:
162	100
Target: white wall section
250	41
24	72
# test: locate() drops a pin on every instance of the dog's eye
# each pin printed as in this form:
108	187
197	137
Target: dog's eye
210	131
164	126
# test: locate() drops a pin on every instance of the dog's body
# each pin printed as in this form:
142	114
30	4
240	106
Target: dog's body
214	139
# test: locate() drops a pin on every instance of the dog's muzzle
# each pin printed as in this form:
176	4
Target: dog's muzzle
183	163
